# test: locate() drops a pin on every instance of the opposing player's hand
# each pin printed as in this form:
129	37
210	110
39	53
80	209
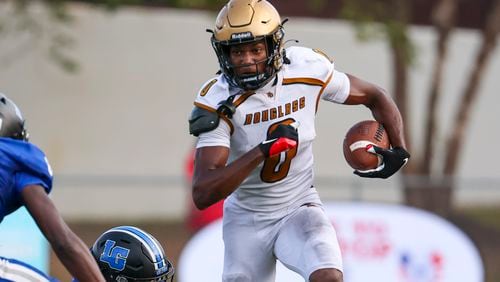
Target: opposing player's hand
283	138
392	160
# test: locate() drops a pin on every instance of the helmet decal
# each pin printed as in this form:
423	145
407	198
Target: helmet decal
151	245
115	257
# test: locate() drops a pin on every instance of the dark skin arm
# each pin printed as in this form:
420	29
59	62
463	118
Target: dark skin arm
70	249
383	108
213	180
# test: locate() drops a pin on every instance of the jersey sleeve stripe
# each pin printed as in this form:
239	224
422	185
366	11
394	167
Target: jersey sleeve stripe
323	89
205	107
208	108
207	87
304	80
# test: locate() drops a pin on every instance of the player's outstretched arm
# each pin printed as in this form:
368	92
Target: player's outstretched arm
385	111
70	249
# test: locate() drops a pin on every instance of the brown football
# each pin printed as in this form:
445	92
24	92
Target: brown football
358	137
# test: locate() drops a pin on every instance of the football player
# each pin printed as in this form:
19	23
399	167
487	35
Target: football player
26	180
255	128
127	253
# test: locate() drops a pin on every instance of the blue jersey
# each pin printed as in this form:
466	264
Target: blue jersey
21	164
17	271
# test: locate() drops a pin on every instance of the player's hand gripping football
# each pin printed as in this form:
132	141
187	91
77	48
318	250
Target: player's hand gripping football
392	160
283	138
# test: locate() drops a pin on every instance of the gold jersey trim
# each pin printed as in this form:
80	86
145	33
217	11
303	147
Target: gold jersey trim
323	89
243	98
303	80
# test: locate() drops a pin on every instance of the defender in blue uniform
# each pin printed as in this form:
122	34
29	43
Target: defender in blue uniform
26	180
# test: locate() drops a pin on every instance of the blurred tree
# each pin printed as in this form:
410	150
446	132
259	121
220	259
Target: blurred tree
44	25
24	26
426	187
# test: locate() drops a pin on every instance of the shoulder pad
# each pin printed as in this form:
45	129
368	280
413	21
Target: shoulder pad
202	120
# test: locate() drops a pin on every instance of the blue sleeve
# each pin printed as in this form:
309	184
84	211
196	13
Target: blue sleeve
25	179
33	167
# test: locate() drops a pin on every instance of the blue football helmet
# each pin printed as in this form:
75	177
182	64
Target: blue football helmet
11	120
127	253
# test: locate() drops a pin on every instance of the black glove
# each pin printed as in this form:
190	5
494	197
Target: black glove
283	138
392	160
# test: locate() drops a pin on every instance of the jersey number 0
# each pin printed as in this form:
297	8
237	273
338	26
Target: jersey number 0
274	168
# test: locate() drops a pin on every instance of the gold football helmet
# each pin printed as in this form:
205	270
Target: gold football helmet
245	21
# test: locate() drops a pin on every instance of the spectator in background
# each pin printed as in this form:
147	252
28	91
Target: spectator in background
26	180
197	219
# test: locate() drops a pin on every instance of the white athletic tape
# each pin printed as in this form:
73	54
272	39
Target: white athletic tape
360	144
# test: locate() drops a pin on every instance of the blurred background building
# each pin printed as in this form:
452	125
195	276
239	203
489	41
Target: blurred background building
115	128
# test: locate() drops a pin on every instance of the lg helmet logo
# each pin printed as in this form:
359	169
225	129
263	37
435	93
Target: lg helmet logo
115	257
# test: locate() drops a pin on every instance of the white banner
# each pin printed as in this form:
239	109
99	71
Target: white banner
379	242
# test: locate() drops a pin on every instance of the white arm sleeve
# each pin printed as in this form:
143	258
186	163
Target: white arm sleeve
220	136
338	89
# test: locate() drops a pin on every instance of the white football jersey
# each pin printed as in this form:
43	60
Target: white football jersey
286	179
